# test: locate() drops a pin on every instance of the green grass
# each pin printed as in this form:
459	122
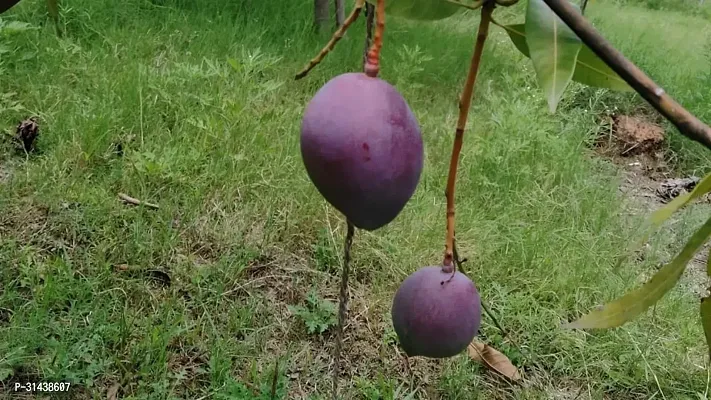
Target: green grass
192	299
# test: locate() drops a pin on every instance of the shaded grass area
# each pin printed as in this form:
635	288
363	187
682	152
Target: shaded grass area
193	299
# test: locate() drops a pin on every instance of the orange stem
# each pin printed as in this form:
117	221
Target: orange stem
372	65
464	104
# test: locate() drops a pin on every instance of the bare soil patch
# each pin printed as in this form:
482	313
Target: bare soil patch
636	144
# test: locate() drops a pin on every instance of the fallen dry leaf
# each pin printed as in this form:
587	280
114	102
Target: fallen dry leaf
493	359
112	393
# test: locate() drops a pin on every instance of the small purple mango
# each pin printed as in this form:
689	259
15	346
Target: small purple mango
435	316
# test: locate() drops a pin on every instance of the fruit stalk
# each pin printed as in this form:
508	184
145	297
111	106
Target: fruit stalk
464	104
685	122
369	14
372	64
342	307
334	39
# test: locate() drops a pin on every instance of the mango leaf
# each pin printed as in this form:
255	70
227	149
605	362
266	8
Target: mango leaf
661	215
553	48
421	10
705	309
517	34
7	4
589	68
592	71
627	307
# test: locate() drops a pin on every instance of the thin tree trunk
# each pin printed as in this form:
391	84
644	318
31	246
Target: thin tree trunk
583	5
320	15
340	13
369	15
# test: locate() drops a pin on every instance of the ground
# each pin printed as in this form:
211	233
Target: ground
194	108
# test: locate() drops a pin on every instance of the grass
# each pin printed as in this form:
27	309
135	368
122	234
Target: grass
196	298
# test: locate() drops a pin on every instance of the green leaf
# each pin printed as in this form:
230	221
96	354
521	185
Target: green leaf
589	68
627	307
553	48
592	71
661	215
421	10
705	309
517	34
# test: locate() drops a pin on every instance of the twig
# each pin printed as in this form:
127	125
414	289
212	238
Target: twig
458	265
464	104
372	60
342	307
334	39
130	200
369	15
687	123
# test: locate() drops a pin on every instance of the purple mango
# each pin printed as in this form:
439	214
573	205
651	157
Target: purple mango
362	148
435	316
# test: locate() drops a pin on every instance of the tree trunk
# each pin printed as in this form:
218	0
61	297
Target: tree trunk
340	13
320	14
369	14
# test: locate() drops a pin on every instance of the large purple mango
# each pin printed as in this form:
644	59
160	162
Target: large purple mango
362	148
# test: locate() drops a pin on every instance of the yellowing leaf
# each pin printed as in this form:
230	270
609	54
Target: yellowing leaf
553	48
627	307
661	215
493	359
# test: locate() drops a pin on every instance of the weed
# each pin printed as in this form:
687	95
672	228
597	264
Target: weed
318	314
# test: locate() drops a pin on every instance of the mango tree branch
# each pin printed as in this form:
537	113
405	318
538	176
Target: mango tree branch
687	123
338	35
464	104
